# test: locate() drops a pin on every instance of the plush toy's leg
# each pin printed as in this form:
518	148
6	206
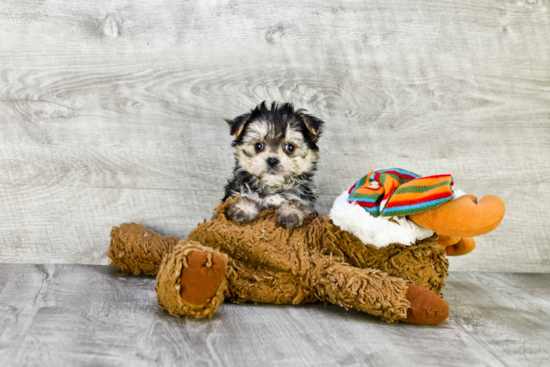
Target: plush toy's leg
192	280
377	293
258	284
138	250
423	263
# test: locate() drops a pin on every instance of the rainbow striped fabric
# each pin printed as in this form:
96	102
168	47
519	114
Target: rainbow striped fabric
396	192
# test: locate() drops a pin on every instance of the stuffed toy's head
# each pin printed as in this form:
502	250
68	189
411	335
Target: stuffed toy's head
398	206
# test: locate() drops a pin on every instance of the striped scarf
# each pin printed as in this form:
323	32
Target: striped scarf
396	192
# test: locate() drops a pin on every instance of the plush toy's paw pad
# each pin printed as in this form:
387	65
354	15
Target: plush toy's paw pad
427	308
191	281
463	247
200	279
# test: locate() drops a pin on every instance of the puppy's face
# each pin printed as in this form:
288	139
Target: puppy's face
274	154
276	145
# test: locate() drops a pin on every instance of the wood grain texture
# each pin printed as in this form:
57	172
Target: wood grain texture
113	111
78	315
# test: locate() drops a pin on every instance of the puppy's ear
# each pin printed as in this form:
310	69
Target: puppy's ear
312	123
237	124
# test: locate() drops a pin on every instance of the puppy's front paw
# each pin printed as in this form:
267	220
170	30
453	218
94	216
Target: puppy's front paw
238	215
291	214
244	211
291	220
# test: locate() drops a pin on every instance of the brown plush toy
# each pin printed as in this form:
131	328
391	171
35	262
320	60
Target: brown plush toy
261	262
387	267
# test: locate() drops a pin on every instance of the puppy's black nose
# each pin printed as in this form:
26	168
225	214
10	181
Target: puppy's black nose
272	161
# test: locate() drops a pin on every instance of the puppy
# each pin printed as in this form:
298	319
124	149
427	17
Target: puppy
276	157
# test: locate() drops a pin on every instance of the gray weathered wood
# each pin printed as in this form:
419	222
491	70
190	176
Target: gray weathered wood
113	111
77	315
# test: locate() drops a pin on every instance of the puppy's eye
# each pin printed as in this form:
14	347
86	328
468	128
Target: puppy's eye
259	147
289	148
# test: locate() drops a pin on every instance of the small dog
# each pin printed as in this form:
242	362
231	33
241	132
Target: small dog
276	158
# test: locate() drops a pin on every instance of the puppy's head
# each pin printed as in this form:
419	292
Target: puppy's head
276	145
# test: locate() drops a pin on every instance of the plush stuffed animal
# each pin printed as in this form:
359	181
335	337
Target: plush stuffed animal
396	192
386	266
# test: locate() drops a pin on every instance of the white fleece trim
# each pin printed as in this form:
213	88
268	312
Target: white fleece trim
380	231
458	193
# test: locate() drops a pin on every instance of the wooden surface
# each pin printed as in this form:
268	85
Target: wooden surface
112	111
78	315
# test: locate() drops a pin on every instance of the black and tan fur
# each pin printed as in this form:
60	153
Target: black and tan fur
276	157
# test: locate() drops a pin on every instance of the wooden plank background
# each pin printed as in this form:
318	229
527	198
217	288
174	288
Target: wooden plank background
112	111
